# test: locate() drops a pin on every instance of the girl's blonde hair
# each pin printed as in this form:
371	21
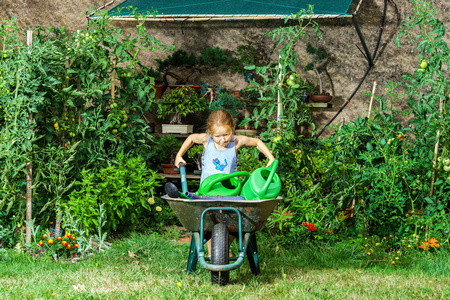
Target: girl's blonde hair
219	118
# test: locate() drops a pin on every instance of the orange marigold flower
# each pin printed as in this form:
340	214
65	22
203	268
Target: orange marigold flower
424	246
432	241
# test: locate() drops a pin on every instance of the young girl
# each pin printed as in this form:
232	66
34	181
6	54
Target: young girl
220	145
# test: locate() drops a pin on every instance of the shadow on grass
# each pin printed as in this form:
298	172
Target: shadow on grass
162	256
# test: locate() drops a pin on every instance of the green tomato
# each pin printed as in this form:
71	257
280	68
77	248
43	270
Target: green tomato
114	131
446	168
446	161
276	139
421	70
423	64
123	126
290	82
293	76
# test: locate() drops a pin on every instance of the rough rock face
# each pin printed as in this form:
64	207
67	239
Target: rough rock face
342	74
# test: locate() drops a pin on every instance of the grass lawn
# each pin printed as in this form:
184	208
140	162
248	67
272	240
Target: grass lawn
151	267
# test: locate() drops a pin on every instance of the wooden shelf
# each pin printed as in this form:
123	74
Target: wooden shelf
178	176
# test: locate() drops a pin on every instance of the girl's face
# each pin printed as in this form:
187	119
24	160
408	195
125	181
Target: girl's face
222	136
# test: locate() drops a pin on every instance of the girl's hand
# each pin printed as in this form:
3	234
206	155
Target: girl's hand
179	160
271	160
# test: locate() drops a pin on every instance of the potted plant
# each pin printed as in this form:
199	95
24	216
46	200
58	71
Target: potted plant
167	147
319	56
181	60
248	55
159	87
298	86
195	153
177	104
227	101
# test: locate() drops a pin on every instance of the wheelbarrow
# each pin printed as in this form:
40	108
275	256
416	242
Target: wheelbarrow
217	219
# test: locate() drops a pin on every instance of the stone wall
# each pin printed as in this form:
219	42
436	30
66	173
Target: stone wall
344	70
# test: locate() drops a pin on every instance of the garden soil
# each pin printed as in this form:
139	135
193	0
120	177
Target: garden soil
342	72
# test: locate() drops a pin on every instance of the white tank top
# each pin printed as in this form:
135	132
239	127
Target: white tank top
218	161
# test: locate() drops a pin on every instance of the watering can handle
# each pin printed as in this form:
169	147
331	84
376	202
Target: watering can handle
273	169
226	176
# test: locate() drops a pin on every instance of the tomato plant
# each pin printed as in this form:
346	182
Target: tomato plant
59	113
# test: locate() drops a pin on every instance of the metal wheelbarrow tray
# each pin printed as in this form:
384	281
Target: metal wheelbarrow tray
218	219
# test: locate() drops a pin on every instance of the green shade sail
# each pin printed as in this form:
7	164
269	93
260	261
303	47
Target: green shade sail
232	9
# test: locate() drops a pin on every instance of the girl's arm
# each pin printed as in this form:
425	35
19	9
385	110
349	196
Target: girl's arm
242	140
195	138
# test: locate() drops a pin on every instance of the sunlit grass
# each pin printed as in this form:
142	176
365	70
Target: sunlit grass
149	267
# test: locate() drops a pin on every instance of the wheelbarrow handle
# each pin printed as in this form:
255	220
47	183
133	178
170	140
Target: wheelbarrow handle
184	187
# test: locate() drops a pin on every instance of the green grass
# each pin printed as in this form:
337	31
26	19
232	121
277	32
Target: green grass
151	267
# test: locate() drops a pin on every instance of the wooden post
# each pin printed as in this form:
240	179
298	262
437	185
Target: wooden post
29	166
113	81
436	147
371	98
279	100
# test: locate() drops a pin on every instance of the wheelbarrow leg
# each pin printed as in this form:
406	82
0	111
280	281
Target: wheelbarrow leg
193	256
252	255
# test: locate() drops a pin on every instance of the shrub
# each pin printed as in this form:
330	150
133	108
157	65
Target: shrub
125	189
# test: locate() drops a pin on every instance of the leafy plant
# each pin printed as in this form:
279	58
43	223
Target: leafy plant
179	58
289	111
166	148
195	153
123	189
319	55
249	53
228	102
181	102
58	93
214	58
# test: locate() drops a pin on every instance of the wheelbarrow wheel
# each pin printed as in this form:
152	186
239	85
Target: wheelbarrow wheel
219	253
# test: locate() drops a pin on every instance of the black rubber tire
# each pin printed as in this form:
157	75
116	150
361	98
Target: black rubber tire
219	253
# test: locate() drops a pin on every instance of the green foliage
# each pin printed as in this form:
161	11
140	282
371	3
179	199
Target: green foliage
195	153
292	110
181	102
385	170
317	53
247	162
248	54
227	101
180	58
166	148
209	57
214	57
124	189
58	111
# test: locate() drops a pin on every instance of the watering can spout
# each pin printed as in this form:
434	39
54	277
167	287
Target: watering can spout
263	183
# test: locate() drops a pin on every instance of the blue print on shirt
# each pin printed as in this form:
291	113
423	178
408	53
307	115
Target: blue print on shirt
219	167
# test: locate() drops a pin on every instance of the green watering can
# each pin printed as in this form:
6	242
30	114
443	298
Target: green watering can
223	185
263	183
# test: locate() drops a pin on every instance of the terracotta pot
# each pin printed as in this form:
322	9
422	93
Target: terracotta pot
211	94
320	98
168	169
346	213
